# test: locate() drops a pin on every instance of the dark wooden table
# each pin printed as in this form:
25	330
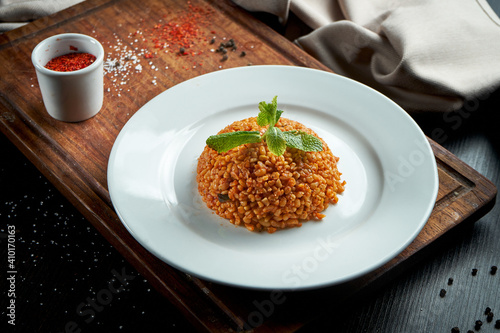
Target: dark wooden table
68	273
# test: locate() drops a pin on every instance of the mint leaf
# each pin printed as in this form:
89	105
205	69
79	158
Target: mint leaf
268	114
303	141
227	141
278	115
275	141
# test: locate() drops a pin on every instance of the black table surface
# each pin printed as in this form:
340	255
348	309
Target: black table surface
63	264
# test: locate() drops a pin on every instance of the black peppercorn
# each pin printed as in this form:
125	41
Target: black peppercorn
442	293
487	310
223	197
455	330
497	323
474	271
478	325
493	270
450	281
489	317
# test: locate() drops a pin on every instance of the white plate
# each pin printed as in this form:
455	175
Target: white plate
385	159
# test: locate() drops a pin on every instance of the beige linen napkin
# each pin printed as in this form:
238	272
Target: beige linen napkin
16	13
427	55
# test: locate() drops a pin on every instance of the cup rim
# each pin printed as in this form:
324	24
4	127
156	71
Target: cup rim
99	58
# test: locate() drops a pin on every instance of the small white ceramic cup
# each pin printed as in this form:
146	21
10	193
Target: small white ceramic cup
70	96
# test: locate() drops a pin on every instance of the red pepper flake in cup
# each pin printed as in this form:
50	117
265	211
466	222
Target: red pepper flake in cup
70	62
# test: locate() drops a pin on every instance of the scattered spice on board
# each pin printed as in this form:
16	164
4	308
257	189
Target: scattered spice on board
121	62
183	32
183	35
71	62
187	37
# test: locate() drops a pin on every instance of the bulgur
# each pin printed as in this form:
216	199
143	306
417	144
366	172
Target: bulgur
265	192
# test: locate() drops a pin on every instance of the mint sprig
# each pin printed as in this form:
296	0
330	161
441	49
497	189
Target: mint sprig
277	140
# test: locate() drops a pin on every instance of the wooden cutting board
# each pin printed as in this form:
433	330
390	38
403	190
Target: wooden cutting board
143	41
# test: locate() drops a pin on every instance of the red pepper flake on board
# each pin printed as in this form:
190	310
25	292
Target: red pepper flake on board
70	62
186	34
185	31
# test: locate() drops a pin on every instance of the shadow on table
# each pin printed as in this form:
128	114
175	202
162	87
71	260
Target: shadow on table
478	116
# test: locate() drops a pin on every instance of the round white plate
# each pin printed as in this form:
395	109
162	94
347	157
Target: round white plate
385	159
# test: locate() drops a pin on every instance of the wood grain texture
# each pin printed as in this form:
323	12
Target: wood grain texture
74	156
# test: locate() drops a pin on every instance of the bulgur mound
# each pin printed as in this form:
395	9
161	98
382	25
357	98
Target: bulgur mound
251	186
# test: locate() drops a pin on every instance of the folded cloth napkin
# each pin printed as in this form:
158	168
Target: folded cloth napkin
426	55
16	13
